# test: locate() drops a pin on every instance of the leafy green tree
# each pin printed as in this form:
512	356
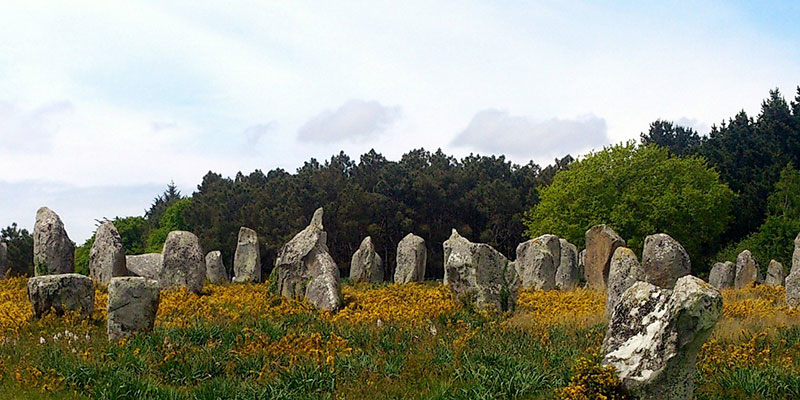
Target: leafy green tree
132	230
82	256
173	219
20	250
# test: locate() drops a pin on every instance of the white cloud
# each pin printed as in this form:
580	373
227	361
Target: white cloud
355	120
30	131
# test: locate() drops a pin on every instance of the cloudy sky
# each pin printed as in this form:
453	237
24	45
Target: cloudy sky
102	103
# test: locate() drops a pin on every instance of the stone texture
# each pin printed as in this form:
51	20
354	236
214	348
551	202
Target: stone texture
60	293
145	265
581	266
746	270
776	275
793	289
478	272
305	269
183	263
624	271
247	259
132	306
107	255
601	242
568	275
366	264
215	269
723	275
796	255
664	260
53	252
3	259
537	262
412	257
655	334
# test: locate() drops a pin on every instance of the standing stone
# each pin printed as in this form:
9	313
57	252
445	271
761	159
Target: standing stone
723	275
183	263
624	271
601	242
60	293
479	272
567	274
215	269
132	306
3	260
305	269
664	260
412	257
655	334
53	252
537	262
247	259
796	255
793	289
366	265
746	270
775	274
107	255
145	265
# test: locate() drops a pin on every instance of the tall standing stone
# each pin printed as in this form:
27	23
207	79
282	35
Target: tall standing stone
305	269
366	264
3	260
655	334
215	269
60	293
568	275
664	260
412	256
183	263
601	242
145	265
793	280
776	275
53	252
247	260
746	270
478	271
723	275
625	270
537	262
107	255
796	255
132	306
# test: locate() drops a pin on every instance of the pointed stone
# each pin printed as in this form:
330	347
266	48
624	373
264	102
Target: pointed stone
107	255
366	265
247	259
215	270
625	270
796	255
183	263
412	256
53	251
537	262
601	242
776	275
746	270
664	260
723	275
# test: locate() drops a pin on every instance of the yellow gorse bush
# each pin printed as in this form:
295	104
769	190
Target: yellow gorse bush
555	306
15	310
761	301
411	303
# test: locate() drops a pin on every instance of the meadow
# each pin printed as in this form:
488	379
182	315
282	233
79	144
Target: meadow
389	342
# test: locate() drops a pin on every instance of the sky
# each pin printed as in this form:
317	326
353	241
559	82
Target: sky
103	103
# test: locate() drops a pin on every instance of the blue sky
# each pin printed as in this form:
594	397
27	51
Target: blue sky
103	103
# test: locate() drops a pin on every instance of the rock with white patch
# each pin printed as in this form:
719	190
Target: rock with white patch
412	257
664	260
746	270
60	293
144	265
568	275
601	242
776	275
183	263
366	264
53	251
215	268
132	306
537	262
722	275
247	259
107	255
625	270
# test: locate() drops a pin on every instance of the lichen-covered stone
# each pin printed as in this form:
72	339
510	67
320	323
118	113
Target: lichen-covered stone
537	262
568	275
412	257
746	270
655	334
215	268
601	242
625	270
796	255
478	272
145	265
664	260
60	293
107	255
366	264
793	289
132	306
776	275
183	263
247	259
53	251
3	259
723	275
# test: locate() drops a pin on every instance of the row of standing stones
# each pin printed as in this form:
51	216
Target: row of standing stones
659	314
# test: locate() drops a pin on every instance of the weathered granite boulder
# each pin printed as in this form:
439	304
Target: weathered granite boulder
601	242
412	257
746	270
247	259
655	334
215	269
107	255
664	260
366	264
305	269
60	293
132	306
723	275
796	255
53	252
183	263
776	275
478	272
537	262
625	270
3	259
145	265
568	275
793	289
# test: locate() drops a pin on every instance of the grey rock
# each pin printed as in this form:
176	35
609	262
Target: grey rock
412	257
60	293
53	252
664	260
655	334
581	265
3	259
537	262
793	289
796	255
601	242
568	276
746	270
183	263
247	259
145	265
215	269
776	275
479	272
305	268
625	270
723	275
107	255
132	306
366	264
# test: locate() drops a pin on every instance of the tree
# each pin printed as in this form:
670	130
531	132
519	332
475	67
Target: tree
173	219
679	140
20	250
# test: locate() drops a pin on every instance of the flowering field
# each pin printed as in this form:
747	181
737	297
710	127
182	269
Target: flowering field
390	341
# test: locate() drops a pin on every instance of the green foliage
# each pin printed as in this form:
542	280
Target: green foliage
173	219
132	231
638	190
82	256
679	140
20	250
